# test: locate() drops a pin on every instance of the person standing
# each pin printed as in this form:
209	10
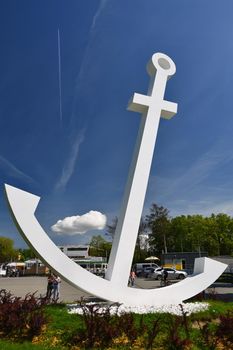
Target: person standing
49	286
56	287
132	278
165	276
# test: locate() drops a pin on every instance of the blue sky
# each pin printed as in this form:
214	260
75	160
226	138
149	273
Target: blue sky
78	161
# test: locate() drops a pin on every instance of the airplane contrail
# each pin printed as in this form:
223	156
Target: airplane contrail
59	74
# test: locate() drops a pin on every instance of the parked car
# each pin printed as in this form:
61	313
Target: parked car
147	272
139	267
172	273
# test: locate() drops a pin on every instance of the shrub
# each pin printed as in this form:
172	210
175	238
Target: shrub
151	332
207	339
21	317
104	328
225	329
100	327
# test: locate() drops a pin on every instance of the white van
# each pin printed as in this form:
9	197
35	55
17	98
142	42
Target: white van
139	267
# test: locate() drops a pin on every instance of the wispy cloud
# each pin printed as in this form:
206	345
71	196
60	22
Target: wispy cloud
68	168
211	205
86	55
223	207
70	164
195	190
202	169
81	77
98	13
13	171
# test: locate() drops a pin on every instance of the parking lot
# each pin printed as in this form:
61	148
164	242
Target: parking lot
20	286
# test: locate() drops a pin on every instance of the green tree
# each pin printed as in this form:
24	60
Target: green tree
7	251
221	233
193	233
213	234
159	223
26	254
179	233
99	246
196	232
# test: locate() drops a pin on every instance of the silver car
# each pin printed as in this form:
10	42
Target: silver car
173	274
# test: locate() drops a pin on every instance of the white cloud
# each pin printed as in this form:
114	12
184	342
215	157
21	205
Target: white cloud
71	225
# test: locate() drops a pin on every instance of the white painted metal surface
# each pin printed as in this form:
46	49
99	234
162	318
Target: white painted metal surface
114	288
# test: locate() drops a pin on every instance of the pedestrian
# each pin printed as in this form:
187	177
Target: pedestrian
49	286
132	278
56	287
165	276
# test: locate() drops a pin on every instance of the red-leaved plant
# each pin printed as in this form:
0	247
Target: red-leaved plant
21	317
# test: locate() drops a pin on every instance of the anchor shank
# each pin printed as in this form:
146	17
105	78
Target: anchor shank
129	219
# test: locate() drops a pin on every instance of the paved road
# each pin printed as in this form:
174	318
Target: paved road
20	286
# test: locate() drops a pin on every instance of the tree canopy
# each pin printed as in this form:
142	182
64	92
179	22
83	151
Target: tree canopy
184	233
7	251
213	234
99	246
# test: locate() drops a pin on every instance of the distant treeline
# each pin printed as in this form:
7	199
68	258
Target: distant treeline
185	233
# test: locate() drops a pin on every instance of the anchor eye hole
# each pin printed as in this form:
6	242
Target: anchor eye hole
164	63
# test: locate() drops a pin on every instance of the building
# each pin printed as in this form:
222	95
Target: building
181	261
80	255
75	251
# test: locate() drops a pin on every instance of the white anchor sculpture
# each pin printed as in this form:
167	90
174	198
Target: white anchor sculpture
115	286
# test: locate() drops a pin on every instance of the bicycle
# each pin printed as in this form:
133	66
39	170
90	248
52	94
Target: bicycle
164	283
